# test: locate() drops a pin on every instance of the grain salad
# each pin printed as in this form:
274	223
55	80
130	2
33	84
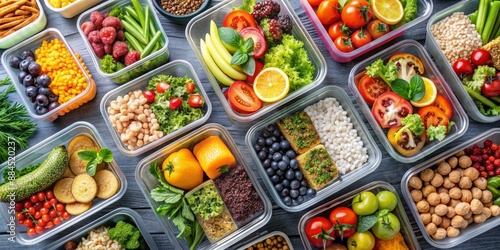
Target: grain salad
338	134
98	239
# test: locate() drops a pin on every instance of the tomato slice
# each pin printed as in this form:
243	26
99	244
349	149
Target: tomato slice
259	41
444	104
371	88
238	20
432	115
408	143
242	98
390	108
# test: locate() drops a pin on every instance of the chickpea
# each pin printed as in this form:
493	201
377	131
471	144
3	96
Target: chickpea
465	182
423	206
469	221
468	215
476	206
495	210
444	198
415	182
444	168
460	153
436	219
427	174
439	234
462	208
447	183
453	202
428	189
425	218
437	180
453	161
455	176
433	199
472	173
487	204
481	183
479	218
441	210
466	195
452	232
455	193
416	195
442	190
431	210
487	212
487	196
445	223
464	161
451	212
458	221
476	193
431	228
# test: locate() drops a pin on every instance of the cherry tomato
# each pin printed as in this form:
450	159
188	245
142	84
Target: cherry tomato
444	104
20	216
150	96
33	198
66	215
432	115
361	241
371	88
387	227
38	206
238	20
52	213
258	68
356	13
40	222
53	201
344	220
242	98
60	207
314	3
175	103
319	232
44	211
195	101
463	68
28	222
481	57
49	194
41	196
360	38
390	108
45	218
337	29
21	222
18	207
404	145
31	231
31	210
365	203
39	229
259	41
37	215
161	87
190	87
47	204
27	204
56	220
344	44
377	28
387	200
491	88
50	224
328	11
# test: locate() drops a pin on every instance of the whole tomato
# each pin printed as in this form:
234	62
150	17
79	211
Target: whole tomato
387	226
328	11
344	44
361	241
195	101
356	13
481	57
463	68
314	2
377	28
365	203
175	103
337	29
319	232
491	87
360	38
344	220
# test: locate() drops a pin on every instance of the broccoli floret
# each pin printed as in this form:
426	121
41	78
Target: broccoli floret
388	72
127	235
108	64
438	132
117	11
412	122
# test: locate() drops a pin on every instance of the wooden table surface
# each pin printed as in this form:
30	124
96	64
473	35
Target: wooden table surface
389	170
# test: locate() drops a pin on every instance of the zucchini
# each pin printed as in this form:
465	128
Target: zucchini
51	170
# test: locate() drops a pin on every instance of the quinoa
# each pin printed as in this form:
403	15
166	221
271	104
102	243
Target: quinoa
98	239
217	227
456	36
337	134
239	194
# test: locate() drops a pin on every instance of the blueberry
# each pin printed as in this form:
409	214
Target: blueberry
21	76
53	97
300	199
303	190
274	165
294	164
311	192
286	183
267	163
275	179
298	175
257	147
266	134
277	156
27	53
282	138
286	159
272	151
280	172
287	201
42	100
290	154
276	133
303	183
261	141
290	174
294	193
285	192
41	110
44	91
295	184
276	146
24	64
53	105
262	155
28	80
269	141
275	139
278	187
294	202
31	91
32	99
282	165
43	80
14	61
284	144
270	171
34	68
271	127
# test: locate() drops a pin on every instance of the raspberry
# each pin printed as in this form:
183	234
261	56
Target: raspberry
112	21
108	48
266	9
108	35
87	27
96	17
120	35
119	49
98	49
286	24
132	57
94	37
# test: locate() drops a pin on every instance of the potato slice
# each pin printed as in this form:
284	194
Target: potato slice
81	142
77	165
84	188
62	190
77	207
107	184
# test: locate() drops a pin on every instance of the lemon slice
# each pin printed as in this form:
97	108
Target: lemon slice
271	85
429	96
388	11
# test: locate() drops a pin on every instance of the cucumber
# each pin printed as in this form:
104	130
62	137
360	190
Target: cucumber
51	170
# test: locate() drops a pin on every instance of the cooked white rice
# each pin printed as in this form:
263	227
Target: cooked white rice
98	239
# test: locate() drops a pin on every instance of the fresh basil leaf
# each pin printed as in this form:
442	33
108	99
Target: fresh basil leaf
401	87
417	87
249	66
91	167
231	37
87	155
248	46
366	222
239	58
106	154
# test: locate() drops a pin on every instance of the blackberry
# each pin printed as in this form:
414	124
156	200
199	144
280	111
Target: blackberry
266	9
286	24
275	29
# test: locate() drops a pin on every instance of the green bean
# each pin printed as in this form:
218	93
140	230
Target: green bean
133	42
148	49
130	10
133	31
147	20
139	11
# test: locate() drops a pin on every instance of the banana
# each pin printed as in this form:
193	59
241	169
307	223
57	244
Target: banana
218	74
217	42
223	65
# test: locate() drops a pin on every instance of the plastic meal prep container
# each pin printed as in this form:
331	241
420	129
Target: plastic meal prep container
473	229
459	116
200	25
110	219
26	31
423	12
374	154
346	199
147	182
38	153
178	68
153	60
72	9
467	7
33	43
266	236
